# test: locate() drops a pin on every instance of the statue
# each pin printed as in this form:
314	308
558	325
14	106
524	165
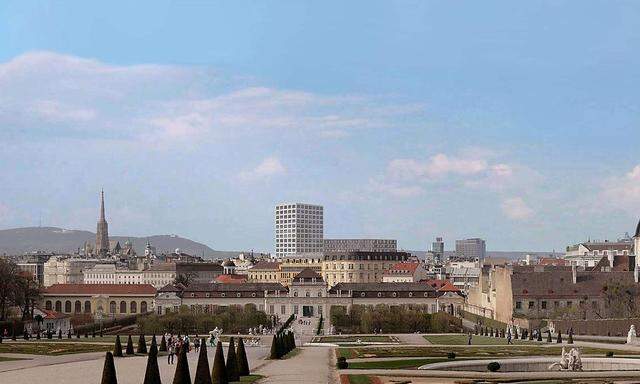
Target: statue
214	336
569	361
631	336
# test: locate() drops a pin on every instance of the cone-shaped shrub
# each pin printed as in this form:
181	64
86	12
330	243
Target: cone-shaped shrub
13	332
117	348
539	335
548	336
77	334
93	333
60	334
163	344
154	343
241	356
559	338
293	340
152	374
273	354
129	350
142	345
109	370
25	335
69	333
37	335
232	362
203	375
530	332
219	372
101	335
182	375
570	338
86	335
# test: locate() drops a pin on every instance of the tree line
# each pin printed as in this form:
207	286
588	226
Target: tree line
17	290
392	319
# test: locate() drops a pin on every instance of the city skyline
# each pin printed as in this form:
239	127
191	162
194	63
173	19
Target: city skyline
521	128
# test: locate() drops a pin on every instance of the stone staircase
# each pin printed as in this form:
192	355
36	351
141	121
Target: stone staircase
305	328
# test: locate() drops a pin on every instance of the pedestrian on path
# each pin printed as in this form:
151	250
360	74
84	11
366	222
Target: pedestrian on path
172	351
470	337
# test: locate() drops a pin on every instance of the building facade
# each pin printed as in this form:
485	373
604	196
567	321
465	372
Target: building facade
299	228
100	300
358	267
67	270
589	253
475	249
365	245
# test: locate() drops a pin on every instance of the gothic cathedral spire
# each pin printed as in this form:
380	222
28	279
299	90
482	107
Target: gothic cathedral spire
102	231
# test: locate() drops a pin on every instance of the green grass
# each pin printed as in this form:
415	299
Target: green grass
396	364
54	349
353	339
291	354
250	378
2	358
475	340
464	351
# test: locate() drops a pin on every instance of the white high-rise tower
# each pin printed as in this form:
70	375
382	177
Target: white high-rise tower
299	228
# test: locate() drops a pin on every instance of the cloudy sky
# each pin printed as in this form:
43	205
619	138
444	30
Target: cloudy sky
516	122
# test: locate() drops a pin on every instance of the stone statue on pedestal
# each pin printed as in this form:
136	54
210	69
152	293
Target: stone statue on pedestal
631	336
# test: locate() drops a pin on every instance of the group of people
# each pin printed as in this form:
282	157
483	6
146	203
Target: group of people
176	343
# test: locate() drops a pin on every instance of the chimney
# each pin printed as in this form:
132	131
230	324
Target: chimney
574	274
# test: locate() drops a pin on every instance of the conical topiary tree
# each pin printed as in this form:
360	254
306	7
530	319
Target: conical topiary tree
163	344
69	333
154	343
530	333
117	348
570	338
152	374
13	332
549	340
182	375
273	353
129	350
142	345
539	335
232	362
559	338
77	334
203	375
243	362
60	334
109	370
219	372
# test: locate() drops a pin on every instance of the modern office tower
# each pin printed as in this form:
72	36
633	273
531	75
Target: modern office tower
365	245
474	249
437	249
299	228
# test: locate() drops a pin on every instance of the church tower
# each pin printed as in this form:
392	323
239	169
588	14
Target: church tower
102	231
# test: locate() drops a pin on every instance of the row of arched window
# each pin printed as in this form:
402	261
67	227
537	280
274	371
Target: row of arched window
78	306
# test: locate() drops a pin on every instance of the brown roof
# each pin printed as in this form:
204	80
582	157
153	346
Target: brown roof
382	287
194	267
96	289
605	246
231	279
403	268
266	265
248	287
308	274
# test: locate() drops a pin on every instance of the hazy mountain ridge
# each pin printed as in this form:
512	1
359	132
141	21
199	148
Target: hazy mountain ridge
52	239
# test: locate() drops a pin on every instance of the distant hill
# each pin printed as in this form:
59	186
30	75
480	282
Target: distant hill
51	239
511	255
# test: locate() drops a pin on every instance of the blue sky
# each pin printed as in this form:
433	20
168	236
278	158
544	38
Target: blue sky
515	122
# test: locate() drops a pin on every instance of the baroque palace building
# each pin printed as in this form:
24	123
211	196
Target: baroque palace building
308	296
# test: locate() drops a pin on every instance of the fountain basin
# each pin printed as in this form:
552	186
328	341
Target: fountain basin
536	364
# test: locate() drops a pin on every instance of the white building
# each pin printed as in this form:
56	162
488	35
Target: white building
299	228
365	245
589	253
475	249
405	272
157	275
66	270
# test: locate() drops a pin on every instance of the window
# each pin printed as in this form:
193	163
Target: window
283	309
87	306
112	307
67	306
569	304
133	307
556	304
143	307
543	305
532	304
123	307
47	305
362	294
518	305
58	306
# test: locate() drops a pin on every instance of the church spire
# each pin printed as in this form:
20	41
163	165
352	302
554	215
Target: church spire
102	230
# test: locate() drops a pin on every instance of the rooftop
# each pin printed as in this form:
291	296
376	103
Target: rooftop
97	289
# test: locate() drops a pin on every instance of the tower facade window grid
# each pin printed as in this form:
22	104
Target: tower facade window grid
299	228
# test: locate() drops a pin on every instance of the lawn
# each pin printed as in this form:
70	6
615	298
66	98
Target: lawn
396	364
354	338
54	349
9	359
475	340
250	378
475	352
359	379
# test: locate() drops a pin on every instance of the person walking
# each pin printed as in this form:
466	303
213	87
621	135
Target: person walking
509	341
469	340
196	345
172	351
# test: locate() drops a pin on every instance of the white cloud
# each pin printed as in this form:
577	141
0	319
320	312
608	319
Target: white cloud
624	192
47	95
268	168
437	166
515	208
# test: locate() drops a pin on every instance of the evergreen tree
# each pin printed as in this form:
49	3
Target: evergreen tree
129	350
548	335
69	333
109	370
219	372
13	332
154	343
182	375
243	363
142	345
77	334
232	362
530	333
163	344
25	335
559	338
203	375
539	335
293	340
117	348
273	354
93	333
37	335
101	335
570	338
152	374
60	334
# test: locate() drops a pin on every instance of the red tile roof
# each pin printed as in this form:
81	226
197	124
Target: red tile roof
435	283
448	287
51	314
403	269
96	289
266	265
231	279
